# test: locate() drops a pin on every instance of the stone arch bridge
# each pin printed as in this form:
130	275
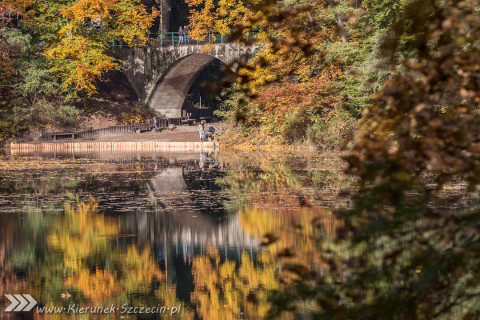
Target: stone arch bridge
162	76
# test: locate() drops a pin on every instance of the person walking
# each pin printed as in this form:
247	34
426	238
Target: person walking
210	132
154	124
185	34
180	35
201	130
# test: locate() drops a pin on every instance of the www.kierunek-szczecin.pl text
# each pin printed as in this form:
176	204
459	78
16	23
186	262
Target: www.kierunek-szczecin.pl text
123	309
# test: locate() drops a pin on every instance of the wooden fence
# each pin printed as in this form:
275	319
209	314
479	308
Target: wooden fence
163	123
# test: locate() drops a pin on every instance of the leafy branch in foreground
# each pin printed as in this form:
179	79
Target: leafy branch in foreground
411	255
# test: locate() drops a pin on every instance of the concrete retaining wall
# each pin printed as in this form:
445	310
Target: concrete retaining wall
115	146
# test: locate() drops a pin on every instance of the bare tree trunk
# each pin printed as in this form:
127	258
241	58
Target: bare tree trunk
338	18
166	9
341	29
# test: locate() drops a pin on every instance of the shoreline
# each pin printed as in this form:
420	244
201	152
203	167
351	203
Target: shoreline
114	146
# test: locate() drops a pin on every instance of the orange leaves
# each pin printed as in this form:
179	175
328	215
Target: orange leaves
8	9
81	56
125	19
88	9
83	232
96	286
222	290
221	18
286	110
287	41
289	95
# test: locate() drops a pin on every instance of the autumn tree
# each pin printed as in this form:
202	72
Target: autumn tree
77	36
53	52
302	43
10	13
80	54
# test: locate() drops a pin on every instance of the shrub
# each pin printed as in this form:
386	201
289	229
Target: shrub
331	133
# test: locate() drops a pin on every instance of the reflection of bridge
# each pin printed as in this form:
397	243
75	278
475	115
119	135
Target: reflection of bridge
177	237
187	228
162	76
183	220
181	231
181	185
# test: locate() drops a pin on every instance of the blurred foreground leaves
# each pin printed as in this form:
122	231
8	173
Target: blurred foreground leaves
411	255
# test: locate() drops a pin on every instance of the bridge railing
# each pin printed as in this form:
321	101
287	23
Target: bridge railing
173	39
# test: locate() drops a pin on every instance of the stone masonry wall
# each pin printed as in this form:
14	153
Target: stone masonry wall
147	68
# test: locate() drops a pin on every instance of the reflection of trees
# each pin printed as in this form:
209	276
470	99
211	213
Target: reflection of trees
88	256
285	179
9	282
300	242
83	235
301	229
83	258
294	227
224	290
231	290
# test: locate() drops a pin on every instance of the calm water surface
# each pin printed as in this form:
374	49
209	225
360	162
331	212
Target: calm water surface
180	231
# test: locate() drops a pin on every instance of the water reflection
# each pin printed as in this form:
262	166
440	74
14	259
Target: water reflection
148	230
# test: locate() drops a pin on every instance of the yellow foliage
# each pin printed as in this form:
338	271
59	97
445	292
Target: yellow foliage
286	46
96	286
292	228
80	61
84	232
136	116
80	55
222	290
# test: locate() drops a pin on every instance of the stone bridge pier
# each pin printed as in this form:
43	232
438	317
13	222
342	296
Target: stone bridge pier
162	76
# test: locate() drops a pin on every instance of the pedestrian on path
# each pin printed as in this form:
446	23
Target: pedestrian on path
180	35
185	34
154	124
201	130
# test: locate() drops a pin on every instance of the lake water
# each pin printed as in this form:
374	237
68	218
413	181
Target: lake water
186	235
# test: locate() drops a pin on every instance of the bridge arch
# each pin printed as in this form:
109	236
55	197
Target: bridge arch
161	76
169	95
